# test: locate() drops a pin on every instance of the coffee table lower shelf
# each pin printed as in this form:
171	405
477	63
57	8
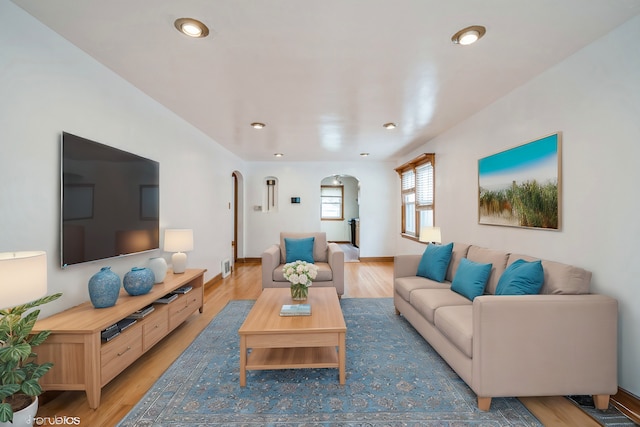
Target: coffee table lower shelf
270	341
292	358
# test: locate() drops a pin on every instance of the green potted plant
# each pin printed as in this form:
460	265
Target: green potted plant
19	372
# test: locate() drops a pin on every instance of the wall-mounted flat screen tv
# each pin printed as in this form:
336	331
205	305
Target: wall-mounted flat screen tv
110	201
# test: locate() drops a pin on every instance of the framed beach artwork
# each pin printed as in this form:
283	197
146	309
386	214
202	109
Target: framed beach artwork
520	187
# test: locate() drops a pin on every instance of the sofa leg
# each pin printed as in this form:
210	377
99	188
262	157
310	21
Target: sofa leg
484	403
397	311
601	401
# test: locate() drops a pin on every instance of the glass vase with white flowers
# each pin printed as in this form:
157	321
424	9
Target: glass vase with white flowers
300	274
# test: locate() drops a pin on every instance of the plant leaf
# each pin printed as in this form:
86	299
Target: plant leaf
15	376
39	371
39	338
31	387
6	413
15	353
7	390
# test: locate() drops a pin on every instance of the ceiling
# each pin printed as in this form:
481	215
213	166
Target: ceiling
325	75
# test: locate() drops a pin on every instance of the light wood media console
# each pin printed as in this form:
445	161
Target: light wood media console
82	361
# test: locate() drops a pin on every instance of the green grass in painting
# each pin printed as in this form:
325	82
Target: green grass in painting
530	203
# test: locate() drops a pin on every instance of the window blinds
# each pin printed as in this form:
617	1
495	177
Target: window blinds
424	185
408	180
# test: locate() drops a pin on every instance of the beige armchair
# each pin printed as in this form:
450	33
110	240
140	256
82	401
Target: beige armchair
327	256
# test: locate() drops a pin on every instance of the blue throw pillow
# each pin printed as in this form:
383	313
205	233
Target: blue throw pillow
521	278
299	249
471	278
435	261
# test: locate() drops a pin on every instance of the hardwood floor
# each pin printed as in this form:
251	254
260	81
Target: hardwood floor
362	280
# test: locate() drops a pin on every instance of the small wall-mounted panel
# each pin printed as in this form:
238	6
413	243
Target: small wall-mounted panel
270	194
295	200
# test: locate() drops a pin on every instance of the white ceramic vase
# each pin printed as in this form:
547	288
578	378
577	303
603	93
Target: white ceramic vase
159	267
24	417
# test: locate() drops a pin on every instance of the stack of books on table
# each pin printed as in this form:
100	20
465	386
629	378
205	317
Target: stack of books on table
125	323
183	290
295	310
110	332
141	313
166	299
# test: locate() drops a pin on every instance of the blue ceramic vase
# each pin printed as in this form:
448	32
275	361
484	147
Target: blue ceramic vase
104	288
138	281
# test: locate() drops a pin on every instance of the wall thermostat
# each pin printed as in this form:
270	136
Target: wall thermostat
295	200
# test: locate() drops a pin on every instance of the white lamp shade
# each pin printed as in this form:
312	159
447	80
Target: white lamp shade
178	240
23	277
430	234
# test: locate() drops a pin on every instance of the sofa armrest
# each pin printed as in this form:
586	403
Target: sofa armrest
335	258
544	345
405	265
270	261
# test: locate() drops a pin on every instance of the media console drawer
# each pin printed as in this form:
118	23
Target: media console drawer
183	307
121	352
81	361
155	328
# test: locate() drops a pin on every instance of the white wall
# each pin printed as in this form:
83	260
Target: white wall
48	86
593	98
379	193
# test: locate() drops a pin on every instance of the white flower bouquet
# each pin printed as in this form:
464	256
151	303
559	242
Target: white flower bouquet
300	274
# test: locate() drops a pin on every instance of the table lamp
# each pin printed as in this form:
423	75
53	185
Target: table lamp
23	277
178	241
430	235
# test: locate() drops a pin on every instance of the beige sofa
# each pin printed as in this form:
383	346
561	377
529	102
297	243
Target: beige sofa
562	341
329	258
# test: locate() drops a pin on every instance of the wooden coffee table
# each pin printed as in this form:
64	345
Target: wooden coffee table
280	342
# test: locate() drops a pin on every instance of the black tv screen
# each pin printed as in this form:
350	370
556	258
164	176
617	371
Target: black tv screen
110	201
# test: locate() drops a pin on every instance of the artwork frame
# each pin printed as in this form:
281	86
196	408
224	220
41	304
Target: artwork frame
521	186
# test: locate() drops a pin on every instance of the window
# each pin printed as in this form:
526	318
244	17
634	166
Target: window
331	202
417	186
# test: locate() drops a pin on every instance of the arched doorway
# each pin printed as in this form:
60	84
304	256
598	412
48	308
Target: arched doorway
340	201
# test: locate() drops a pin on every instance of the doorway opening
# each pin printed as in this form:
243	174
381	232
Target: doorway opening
237	208
340	213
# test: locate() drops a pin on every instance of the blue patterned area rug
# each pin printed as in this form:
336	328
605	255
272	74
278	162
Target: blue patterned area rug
394	378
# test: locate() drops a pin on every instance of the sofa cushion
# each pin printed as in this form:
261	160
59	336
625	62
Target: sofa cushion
459	251
456	323
560	278
319	244
324	273
435	261
497	259
427	301
405	285
471	278
299	249
521	278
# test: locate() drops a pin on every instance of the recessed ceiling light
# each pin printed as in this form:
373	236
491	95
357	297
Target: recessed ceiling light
364	154
257	125
469	35
191	27
389	125
278	154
